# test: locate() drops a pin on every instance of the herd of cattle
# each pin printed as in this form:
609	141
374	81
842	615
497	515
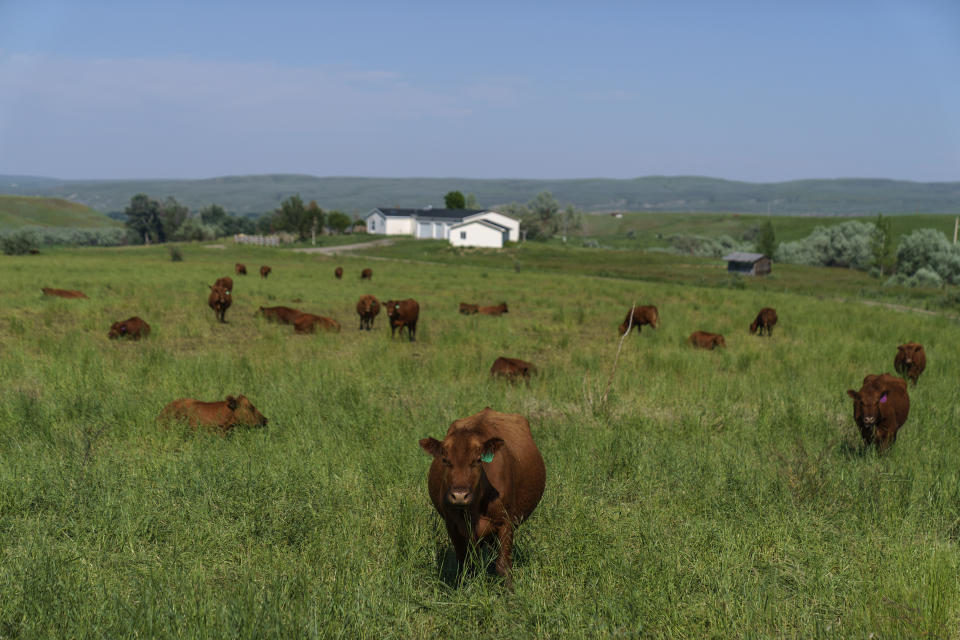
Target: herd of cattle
487	474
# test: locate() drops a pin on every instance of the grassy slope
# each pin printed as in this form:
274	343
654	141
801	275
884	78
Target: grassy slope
22	211
716	494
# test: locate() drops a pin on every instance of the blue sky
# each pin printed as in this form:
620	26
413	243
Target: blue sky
756	91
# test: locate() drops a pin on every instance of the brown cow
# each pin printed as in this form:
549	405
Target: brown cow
220	300
486	478
62	293
226	282
241	269
765	320
264	271
512	369
368	307
366	274
880	408
911	360
233	412
309	323
704	340
497	310
338	273
283	315
133	328
468	309
403	313
647	314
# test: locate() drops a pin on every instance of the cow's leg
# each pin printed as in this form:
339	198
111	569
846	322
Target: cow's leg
459	541
504	564
411	330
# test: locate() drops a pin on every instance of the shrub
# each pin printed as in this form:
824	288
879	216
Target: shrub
705	247
929	250
18	243
841	245
176	255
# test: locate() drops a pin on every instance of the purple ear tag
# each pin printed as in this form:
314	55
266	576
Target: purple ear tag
883	398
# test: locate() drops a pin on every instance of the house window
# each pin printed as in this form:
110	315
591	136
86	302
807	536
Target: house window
373	225
463	235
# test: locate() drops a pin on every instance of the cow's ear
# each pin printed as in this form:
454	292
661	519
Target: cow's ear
491	445
432	446
853	394
231	403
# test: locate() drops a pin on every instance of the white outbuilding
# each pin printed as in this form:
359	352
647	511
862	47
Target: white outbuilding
429	223
479	233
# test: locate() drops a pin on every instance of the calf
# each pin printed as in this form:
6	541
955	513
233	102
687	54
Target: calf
366	274
497	310
235	411
264	271
338	273
283	315
911	360
512	369
647	314
880	408
220	300
704	340
241	269
403	313
486	478
468	309
133	328
368	307
765	320
62	293
309	323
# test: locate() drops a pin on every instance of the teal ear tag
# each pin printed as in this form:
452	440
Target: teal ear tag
487	457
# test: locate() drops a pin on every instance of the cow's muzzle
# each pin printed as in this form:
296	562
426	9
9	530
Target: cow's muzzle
459	497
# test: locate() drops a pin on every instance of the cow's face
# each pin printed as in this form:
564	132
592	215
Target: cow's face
720	342
462	457
867	404
117	330
244	411
908	352
220	294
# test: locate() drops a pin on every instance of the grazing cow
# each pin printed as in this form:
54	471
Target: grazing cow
235	411
765	320
220	300
368	307
880	408
338	273
264	271
512	369
468	309
911	360
366	274
63	293
704	340
226	282
241	269
641	315
133	328
309	323
283	315
497	310
486	478
403	313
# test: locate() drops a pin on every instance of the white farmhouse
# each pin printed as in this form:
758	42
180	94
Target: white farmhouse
462	227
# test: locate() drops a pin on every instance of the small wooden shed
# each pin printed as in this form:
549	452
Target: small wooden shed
749	264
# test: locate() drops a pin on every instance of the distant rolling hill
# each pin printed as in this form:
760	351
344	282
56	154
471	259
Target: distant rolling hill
259	193
26	211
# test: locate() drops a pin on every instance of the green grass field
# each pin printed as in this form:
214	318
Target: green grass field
23	211
715	494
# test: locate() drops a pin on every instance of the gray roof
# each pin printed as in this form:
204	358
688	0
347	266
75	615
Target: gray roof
438	214
742	256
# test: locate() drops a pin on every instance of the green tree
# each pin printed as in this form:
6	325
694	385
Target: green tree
292	216
213	215
881	245
143	218
455	200
315	215
172	215
338	221
471	202
541	220
766	242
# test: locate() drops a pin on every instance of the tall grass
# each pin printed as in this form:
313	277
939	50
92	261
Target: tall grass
714	494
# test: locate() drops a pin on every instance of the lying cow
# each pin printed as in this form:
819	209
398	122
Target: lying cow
220	300
468	309
338	273
233	412
647	314
309	323
486	478
496	310
241	269
880	408
911	360
63	293
283	315
765	320
513	369
133	328
368	307
403	313
366	274
704	340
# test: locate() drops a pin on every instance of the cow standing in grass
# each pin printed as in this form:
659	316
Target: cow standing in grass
911	360
647	314
766	318
368	307
403	313
241	269
880	408
220	300
265	271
